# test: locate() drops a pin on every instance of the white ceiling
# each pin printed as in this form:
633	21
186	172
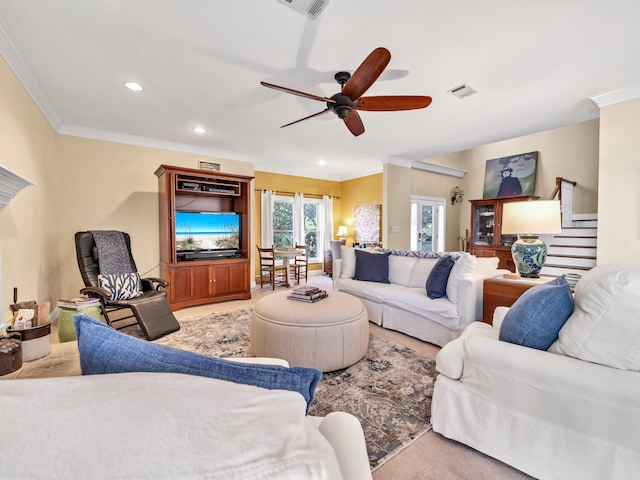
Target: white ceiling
534	63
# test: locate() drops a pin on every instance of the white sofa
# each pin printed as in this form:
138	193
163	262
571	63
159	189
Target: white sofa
403	304
168	426
551	415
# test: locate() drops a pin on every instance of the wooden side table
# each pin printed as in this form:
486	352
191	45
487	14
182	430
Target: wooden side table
328	262
503	292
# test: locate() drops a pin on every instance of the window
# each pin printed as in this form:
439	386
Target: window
284	225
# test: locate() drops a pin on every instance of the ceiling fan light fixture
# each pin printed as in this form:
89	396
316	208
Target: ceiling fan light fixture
462	91
311	8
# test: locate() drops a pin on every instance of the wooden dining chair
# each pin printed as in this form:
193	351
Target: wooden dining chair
269	271
301	264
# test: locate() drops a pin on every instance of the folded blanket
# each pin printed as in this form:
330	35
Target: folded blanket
113	254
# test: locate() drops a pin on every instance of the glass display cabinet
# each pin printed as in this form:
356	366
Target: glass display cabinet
487	239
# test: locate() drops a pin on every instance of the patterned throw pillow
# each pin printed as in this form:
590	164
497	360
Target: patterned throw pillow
122	286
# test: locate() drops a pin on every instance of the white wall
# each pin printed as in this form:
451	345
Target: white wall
619	184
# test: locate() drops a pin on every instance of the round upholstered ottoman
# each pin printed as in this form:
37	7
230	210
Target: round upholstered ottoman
330	334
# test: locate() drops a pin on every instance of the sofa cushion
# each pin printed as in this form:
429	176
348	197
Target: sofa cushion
487	264
105	350
372	267
535	319
421	271
121	286
604	326
400	268
436	284
465	265
161	426
348	261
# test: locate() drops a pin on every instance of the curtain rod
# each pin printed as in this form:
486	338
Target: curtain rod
293	193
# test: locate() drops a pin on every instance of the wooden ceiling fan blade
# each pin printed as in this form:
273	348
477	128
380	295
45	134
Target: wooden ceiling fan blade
367	73
354	123
392	103
297	92
307	118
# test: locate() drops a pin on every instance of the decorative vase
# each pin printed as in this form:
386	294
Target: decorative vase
529	254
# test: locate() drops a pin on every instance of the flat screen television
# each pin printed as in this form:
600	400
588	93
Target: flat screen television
203	235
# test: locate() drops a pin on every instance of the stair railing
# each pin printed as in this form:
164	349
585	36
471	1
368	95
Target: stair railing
564	192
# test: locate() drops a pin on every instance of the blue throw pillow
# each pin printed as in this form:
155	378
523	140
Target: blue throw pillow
535	319
105	350
372	267
439	276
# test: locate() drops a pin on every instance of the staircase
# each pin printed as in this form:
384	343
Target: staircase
573	252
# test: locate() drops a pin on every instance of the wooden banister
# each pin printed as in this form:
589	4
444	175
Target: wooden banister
559	181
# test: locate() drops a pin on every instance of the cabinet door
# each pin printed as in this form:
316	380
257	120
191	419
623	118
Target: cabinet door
484	223
189	283
229	278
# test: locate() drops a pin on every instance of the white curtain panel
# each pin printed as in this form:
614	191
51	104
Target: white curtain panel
298	219
327	222
267	218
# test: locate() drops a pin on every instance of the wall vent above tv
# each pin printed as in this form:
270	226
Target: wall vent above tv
311	8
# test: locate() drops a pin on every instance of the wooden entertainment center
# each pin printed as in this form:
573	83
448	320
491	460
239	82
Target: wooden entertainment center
216	276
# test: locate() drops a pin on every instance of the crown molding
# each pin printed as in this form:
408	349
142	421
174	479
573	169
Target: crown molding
116	137
429	167
12	56
616	96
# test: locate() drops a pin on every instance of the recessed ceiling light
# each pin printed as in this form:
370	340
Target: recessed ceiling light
199	130
322	162
133	86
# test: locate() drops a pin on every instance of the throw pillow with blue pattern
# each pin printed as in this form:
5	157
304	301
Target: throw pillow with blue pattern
121	286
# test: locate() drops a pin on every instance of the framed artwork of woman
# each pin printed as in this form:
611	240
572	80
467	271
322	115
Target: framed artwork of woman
510	176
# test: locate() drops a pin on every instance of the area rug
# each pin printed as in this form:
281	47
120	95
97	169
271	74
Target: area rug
389	390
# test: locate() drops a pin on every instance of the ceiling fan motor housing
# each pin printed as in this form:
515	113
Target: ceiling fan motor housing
343	105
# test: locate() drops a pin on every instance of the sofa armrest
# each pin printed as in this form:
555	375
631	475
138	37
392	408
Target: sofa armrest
336	271
344	433
589	398
470	295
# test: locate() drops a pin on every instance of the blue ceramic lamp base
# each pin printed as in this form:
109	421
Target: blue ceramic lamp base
529	254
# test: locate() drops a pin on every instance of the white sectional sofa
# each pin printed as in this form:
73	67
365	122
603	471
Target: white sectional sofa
403	304
568	413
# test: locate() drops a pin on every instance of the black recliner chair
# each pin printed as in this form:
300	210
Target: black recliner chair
151	309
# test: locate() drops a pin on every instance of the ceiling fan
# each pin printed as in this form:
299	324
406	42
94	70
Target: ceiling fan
347	103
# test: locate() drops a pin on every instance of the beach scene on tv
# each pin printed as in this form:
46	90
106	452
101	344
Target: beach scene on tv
207	231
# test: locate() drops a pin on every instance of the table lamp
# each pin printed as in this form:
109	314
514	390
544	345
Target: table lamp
342	232
529	219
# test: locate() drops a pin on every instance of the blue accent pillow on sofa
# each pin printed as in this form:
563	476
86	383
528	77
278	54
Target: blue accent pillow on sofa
372	267
439	276
535	319
105	350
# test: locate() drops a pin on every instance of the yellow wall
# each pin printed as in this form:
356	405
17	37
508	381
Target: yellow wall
355	193
291	183
619	191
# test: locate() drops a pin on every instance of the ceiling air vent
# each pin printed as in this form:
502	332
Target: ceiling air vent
462	91
311	8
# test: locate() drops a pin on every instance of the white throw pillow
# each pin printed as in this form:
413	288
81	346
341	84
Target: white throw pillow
400	268
487	264
604	326
465	265
348	262
421	271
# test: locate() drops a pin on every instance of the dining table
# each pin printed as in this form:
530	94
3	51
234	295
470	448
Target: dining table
286	254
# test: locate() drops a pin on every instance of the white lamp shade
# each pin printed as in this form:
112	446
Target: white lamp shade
534	217
342	231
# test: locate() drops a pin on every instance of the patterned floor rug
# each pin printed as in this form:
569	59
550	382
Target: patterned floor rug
389	390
